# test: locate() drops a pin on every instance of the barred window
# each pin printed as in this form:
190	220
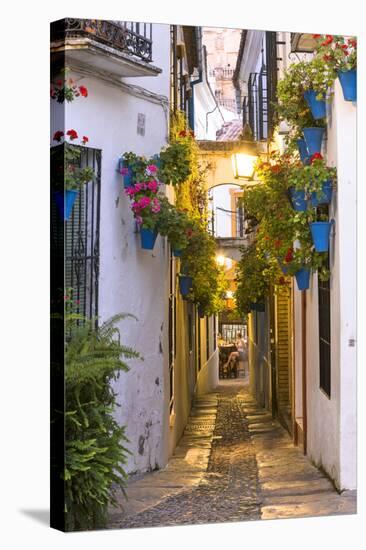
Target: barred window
75	242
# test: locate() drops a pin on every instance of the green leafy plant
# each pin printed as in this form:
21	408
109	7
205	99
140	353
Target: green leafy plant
291	106
66	89
143	168
311	177
199	262
279	226
95	452
174	224
176	161
67	173
252	285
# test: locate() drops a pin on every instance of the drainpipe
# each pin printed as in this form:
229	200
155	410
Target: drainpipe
213	95
303	345
201	60
198	80
191	100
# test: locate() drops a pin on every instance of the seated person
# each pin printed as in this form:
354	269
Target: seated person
240	354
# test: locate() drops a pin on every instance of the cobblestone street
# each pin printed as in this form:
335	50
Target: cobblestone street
234	463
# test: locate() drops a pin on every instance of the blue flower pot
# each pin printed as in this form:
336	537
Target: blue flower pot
303	150
177	253
298	199
128	179
324	196
185	284
348	80
320	232
148	238
65	202
257	306
313	139
317	106
201	312
303	278
284	269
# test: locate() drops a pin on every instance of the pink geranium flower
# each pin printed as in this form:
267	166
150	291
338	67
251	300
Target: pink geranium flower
152	168
124	171
144	202
130	191
155	206
153	186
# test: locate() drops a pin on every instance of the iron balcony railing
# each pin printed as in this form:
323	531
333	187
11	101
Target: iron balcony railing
132	38
228	103
222	73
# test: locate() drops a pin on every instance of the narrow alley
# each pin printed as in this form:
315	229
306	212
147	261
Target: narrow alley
203	274
233	463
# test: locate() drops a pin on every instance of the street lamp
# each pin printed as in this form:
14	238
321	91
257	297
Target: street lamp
220	260
243	165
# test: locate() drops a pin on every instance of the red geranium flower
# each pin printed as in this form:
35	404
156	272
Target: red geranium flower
85	139
276	168
289	255
72	134
59	83
83	90
316	156
58	135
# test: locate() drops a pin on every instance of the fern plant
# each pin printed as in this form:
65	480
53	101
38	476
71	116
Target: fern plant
95	444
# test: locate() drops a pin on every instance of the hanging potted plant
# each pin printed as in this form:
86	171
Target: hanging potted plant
185	284
319	180
317	77
175	225
176	160
304	84
296	188
320	231
303	150
145	205
69	177
339	53
135	168
314	180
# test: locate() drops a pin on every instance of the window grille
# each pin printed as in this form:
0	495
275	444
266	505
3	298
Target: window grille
75	242
324	336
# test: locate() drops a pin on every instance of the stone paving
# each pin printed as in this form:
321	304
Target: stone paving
233	463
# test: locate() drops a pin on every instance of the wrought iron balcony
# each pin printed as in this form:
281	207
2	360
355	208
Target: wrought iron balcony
113	48
132	38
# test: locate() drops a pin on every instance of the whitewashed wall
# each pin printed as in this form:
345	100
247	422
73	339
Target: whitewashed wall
131	279
206	122
332	422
